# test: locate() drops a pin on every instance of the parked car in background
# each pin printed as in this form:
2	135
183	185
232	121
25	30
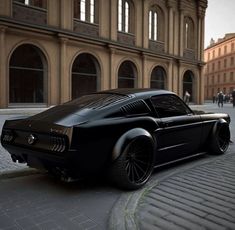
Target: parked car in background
124	133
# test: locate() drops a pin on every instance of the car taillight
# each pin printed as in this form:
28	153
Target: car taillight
7	136
58	144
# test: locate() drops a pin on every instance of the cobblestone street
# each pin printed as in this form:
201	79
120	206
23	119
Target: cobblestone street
195	194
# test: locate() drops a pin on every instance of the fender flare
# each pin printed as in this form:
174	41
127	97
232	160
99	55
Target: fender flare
127	137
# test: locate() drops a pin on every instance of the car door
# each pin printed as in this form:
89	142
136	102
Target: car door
180	130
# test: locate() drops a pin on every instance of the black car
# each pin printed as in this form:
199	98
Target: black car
123	132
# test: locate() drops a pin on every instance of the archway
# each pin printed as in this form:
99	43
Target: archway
188	83
28	80
85	75
127	75
158	78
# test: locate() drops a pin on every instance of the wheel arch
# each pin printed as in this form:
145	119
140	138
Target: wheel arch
127	137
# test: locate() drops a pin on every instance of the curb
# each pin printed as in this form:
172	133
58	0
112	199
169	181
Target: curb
9	174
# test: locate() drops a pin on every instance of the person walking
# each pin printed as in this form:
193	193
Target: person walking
220	99
233	96
186	97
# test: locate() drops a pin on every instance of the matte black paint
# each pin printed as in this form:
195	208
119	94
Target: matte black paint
88	134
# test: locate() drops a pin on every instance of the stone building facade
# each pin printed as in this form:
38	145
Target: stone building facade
52	51
220	66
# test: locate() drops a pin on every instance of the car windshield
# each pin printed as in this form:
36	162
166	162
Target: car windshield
97	100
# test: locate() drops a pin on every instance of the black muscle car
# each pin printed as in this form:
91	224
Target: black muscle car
123	132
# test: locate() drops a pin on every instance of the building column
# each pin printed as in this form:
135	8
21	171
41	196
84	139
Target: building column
6	8
3	69
145	21
170	29
199	39
113	20
170	82
66	14
53	15
64	73
181	37
145	76
112	70
201	85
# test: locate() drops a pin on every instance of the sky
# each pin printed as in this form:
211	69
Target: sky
219	20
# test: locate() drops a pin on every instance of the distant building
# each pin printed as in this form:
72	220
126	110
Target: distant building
52	51
219	70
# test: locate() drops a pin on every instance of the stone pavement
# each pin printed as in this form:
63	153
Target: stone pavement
202	197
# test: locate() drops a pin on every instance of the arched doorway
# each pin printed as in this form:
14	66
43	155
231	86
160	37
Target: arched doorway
85	75
127	75
158	78
188	83
28	76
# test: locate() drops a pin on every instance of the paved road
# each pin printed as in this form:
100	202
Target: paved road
196	194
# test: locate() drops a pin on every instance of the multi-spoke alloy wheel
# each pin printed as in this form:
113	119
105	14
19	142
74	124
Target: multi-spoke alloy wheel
134	166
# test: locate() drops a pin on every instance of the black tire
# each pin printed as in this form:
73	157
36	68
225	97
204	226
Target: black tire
132	169
220	138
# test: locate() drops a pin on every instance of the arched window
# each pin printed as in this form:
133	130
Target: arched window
188	83
189	33
156	24
124	16
127	75
153	25
86	10
28	81
158	78
85	75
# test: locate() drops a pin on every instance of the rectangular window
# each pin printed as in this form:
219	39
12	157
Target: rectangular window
232	61
150	24
219	51
213	67
231	77
225	77
219	65
126	17
155	26
92	11
83	10
120	15
232	47
225	63
225	49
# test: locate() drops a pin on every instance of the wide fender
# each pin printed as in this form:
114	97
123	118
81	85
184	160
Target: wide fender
221	122
129	136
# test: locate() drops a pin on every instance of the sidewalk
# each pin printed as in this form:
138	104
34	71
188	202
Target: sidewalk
202	197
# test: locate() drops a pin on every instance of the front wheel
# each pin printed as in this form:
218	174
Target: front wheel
132	169
220	138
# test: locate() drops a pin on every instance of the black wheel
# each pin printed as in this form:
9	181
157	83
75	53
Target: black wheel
133	167
220	138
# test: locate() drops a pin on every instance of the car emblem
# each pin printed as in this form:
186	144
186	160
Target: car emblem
31	139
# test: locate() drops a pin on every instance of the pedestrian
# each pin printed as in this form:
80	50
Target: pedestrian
186	97
220	99
213	99
233	98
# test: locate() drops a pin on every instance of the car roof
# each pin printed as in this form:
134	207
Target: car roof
136	92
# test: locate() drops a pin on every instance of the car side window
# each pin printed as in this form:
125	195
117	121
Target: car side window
169	106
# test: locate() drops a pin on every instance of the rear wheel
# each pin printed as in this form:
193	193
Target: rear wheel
220	138
133	167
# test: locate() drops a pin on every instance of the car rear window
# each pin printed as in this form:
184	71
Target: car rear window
96	101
